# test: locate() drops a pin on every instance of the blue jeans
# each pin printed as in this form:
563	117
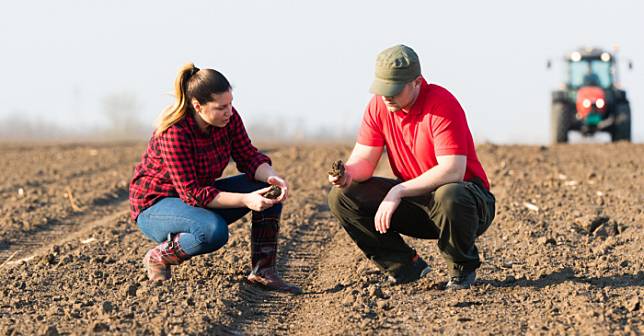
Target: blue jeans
203	230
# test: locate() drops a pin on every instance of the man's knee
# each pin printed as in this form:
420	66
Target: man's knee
453	198
333	199
338	201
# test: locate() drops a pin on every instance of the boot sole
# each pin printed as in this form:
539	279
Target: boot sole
291	290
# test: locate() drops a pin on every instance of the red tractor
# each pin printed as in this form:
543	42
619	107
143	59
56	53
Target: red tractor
590	101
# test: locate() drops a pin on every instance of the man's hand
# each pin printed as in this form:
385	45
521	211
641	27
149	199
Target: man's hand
341	181
359	167
386	210
282	184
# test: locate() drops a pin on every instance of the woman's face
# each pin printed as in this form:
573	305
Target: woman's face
216	112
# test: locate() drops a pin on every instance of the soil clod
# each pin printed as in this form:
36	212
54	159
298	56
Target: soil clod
337	169
273	193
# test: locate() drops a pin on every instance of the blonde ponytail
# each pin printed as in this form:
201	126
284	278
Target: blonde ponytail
175	112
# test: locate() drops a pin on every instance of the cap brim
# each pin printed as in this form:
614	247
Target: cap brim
385	88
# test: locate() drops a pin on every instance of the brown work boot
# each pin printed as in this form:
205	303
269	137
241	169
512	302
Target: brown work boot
263	236
157	260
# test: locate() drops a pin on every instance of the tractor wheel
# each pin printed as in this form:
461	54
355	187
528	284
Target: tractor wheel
622	126
560	122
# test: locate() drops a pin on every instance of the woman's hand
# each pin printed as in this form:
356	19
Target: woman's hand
256	202
282	184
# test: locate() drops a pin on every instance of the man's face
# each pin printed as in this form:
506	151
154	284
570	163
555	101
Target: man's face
405	99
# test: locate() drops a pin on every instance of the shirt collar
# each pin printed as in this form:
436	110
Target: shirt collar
192	123
417	108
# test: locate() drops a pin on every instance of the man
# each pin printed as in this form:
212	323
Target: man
441	192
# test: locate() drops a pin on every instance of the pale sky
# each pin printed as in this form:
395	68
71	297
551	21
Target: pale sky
307	65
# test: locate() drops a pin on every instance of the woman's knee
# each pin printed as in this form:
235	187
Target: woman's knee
213	235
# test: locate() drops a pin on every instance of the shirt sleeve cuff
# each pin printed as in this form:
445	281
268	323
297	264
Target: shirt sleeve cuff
451	151
209	194
370	142
258	161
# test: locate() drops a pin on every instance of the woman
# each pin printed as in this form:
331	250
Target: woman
176	197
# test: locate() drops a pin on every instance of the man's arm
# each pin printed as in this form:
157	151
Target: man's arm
360	166
450	168
363	161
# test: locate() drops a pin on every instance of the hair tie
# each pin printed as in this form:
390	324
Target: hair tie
193	71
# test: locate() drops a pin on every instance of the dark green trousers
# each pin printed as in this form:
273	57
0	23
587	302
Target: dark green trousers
454	214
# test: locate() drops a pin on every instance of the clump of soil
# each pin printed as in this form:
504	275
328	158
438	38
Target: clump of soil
273	193
337	169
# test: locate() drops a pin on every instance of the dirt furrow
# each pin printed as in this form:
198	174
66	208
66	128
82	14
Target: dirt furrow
563	256
60	163
52	187
261	312
306	233
37	242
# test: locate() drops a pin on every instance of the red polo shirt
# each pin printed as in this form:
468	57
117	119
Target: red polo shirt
434	126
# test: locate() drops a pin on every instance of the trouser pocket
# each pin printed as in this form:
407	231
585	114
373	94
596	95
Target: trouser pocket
485	204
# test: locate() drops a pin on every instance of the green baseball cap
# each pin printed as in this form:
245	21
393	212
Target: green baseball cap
395	67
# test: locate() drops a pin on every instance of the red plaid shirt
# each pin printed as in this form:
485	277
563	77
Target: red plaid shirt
184	162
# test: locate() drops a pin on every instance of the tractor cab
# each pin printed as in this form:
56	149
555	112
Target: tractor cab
592	67
589	100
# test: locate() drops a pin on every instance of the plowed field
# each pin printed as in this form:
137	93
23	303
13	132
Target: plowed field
563	256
